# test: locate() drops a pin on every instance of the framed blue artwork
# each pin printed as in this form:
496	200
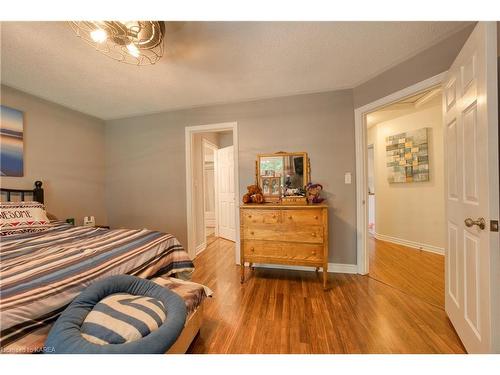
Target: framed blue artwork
11	142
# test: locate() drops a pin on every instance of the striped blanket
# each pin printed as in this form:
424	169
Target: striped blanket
41	273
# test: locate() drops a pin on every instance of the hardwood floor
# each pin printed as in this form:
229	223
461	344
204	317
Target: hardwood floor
281	311
211	238
415	272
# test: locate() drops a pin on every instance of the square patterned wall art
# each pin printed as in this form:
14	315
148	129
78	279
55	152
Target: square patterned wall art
11	142
408	156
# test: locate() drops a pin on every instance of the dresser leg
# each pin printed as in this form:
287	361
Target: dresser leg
242	269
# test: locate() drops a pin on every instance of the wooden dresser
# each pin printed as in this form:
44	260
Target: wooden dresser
284	234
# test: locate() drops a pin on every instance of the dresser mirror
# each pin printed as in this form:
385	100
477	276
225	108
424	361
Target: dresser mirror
282	174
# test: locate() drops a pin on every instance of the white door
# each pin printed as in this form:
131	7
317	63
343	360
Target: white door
226	220
471	154
209	188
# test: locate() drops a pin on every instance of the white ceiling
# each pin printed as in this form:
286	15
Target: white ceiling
208	62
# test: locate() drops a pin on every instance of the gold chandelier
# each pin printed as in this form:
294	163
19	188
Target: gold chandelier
131	42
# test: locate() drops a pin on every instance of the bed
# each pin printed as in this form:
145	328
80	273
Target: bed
42	272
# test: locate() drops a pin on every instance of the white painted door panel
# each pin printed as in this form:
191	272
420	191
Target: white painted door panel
470	117
226	193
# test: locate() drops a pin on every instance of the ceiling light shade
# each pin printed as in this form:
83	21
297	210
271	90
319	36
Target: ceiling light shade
131	42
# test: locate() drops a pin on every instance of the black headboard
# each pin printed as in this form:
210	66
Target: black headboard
36	193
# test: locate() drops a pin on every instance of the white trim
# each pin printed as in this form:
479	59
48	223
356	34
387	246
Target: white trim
201	247
342	268
332	267
412	244
214	148
427	97
189	132
361	162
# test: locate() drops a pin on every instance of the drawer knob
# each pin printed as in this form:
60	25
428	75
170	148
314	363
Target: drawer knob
252	249
249	216
290	218
314	253
316	217
274	216
314	234
252	233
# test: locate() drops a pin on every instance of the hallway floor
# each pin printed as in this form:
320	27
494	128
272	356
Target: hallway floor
415	272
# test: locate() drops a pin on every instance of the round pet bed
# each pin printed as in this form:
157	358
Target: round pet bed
119	315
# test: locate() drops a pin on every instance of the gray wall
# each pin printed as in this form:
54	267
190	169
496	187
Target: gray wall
426	64
64	149
145	159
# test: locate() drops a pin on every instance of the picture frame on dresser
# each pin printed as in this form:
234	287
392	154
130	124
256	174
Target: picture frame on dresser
271	188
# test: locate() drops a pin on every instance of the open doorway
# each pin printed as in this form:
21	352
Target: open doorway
406	216
211	176
470	138
209	190
218	186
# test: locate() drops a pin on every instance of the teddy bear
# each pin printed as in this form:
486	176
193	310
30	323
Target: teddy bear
313	192
254	195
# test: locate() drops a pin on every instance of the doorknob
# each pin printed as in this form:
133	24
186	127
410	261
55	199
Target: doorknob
480	222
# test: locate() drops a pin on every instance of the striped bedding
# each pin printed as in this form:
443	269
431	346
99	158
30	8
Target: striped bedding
41	273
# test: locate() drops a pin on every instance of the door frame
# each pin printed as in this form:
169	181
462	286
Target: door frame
190	131
362	162
372	147
214	148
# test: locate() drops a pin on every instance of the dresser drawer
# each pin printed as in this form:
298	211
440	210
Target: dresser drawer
260	217
311	234
262	232
303	217
303	251
284	234
263	249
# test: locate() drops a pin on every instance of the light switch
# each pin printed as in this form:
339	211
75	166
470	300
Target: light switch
347	178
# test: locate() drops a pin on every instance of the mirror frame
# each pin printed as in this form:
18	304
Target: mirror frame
307	169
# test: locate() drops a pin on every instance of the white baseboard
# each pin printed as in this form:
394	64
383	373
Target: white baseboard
413	244
332	267
200	248
342	268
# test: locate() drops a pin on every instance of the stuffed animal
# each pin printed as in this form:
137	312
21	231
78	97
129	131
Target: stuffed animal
313	193
254	195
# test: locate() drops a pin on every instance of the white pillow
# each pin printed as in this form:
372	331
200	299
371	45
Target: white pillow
21	217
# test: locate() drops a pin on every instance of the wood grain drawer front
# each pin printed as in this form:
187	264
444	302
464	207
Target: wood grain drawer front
263	249
284	234
262	232
260	217
303	251
310	234
303	217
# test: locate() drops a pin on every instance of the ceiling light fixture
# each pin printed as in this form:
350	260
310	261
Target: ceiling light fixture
99	35
133	50
131	42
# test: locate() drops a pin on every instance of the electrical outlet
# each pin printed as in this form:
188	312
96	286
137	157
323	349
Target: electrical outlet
347	178
494	225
